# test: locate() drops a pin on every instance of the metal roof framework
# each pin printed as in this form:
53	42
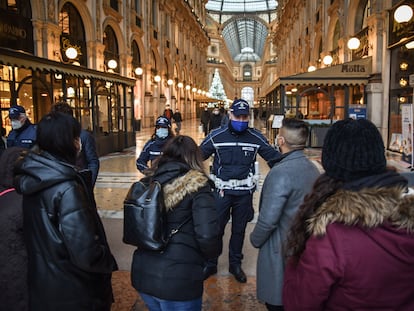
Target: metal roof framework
244	25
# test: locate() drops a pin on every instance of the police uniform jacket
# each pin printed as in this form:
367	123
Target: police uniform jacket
23	137
235	152
70	263
152	149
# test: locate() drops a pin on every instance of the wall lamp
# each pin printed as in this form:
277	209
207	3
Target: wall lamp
112	64
180	85
311	68
170	82
403	14
157	78
410	45
187	87
327	60
71	53
139	71
353	43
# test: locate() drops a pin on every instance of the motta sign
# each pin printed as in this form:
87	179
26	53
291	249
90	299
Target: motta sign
353	68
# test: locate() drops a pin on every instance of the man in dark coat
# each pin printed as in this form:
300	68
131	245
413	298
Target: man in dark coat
205	120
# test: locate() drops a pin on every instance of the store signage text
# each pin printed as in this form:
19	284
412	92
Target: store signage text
11	30
353	68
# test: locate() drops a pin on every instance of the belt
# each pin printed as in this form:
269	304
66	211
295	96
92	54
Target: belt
236	184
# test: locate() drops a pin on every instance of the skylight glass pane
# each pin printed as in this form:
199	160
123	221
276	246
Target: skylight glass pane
246	31
241	5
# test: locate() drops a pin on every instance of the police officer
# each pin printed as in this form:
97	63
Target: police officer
235	147
23	133
153	147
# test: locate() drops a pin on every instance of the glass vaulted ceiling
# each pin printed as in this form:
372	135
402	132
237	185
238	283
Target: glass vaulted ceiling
244	25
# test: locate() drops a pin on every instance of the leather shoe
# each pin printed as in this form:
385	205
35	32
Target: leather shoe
238	273
209	271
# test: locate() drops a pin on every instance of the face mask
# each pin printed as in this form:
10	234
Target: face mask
277	146
216	112
16	124
162	132
239	126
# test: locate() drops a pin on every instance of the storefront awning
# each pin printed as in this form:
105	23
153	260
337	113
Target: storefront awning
21	59
350	73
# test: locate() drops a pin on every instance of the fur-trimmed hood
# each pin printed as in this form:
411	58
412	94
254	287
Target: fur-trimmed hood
368	208
175	191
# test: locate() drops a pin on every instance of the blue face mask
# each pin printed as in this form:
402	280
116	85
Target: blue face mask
239	126
162	132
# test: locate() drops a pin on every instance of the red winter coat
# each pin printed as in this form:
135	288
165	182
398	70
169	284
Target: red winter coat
360	255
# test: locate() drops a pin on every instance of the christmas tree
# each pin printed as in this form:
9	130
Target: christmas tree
216	89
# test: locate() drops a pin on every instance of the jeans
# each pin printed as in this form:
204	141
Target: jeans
157	304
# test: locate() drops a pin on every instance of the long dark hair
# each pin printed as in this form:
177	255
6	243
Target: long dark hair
56	134
181	148
323	188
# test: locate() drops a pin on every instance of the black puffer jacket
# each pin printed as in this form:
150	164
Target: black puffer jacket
70	263
177	272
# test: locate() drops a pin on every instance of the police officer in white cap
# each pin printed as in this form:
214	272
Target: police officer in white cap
235	147
153	147
23	132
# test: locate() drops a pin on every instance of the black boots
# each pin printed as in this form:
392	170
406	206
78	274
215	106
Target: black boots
238	273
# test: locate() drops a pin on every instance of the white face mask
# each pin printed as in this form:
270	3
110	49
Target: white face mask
162	132
16	124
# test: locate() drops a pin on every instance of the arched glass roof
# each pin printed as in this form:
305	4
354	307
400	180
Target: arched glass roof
244	25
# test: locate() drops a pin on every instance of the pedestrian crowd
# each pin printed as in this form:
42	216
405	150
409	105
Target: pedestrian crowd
338	240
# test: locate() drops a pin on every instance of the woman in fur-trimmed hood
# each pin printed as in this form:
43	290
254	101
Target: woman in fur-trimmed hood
173	278
352	244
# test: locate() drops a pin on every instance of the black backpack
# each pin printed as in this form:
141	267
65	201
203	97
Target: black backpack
145	217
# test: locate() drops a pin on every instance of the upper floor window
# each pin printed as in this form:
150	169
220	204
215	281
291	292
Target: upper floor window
114	4
21	7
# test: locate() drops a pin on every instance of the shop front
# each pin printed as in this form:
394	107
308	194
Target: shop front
102	102
401	49
323	96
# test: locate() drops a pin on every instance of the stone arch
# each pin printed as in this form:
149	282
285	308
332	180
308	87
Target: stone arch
110	21
331	31
90	34
157	59
168	64
356	16
142	51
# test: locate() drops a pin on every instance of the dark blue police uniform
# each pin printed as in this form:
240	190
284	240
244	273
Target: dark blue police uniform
23	137
235	177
